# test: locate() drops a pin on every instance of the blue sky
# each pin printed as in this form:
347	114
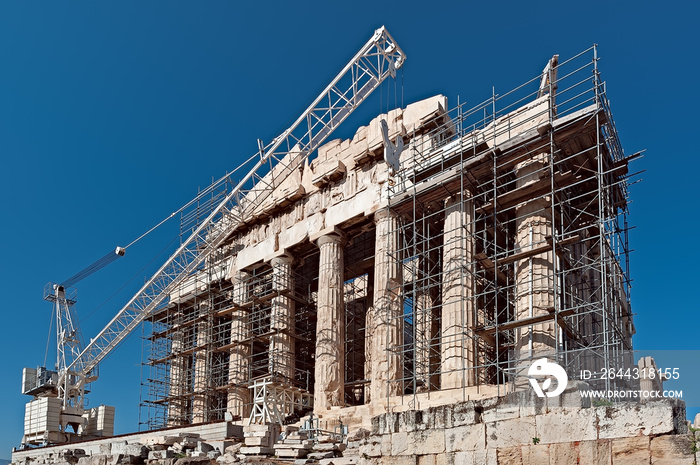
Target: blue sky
112	114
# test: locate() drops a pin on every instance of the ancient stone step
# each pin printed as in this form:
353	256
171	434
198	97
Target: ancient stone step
324	447
281	445
291	453
257	450
257	441
321	455
340	461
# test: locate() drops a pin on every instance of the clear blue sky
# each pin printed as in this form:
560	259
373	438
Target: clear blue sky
113	113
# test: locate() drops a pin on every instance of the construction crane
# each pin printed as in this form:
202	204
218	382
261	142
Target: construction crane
57	413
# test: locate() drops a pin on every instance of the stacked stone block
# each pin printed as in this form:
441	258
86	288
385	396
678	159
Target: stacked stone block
296	444
259	439
521	429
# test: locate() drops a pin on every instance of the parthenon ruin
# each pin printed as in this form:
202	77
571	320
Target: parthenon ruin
361	285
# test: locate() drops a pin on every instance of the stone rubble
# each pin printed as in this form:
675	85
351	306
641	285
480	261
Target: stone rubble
516	429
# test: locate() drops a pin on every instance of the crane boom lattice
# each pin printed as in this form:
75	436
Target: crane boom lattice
377	59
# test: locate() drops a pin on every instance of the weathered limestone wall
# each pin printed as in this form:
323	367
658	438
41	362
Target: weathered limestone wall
521	429
532	115
517	429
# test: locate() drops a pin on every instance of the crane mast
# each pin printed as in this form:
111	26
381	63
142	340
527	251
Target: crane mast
378	59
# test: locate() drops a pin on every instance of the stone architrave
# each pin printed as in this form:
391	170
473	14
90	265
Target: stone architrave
329	387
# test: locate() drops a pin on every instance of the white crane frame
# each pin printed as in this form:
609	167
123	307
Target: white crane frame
378	59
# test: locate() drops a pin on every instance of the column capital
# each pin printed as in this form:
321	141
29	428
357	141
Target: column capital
243	274
332	238
466	195
237	275
383	214
327	235
281	258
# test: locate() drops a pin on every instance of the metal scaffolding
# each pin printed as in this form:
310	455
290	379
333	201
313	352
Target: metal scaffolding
512	246
514	237
225	336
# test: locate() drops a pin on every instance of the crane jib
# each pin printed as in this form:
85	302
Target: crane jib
376	60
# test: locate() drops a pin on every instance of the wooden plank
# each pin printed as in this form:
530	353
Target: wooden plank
565	326
530	191
538	250
488	265
229	310
526	254
532	320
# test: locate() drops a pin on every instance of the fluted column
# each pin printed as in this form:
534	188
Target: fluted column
426	320
329	387
238	375
201	365
457	346
423	318
282	321
178	376
369	321
534	275
385	326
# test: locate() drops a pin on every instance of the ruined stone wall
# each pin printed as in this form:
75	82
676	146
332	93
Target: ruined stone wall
517	429
521	429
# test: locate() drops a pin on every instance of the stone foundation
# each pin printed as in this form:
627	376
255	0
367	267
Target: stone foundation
515	429
520	429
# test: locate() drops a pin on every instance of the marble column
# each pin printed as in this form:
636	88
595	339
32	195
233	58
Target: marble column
369	321
386	323
178	380
534	276
282	342
329	387
239	357
457	345
201	364
426	319
423	317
